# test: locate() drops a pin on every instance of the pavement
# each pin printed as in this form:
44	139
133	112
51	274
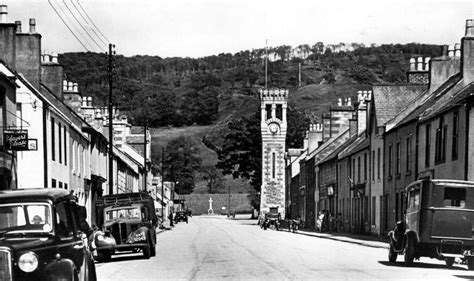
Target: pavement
364	240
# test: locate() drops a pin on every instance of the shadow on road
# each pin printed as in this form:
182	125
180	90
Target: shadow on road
469	277
422	265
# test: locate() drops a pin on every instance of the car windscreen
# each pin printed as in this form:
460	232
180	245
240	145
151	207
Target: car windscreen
122	213
25	217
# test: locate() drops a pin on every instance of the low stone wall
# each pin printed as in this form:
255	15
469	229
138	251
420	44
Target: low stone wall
199	203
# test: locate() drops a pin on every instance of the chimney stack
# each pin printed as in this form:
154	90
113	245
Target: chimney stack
3	13
32	26
467	55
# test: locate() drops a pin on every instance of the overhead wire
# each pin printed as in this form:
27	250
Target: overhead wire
64	22
88	24
82	26
75	27
91	21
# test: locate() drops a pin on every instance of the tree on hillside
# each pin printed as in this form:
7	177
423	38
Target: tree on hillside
213	178
181	161
298	124
240	155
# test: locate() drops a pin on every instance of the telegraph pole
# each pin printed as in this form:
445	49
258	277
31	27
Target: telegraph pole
144	155
162	181
111	128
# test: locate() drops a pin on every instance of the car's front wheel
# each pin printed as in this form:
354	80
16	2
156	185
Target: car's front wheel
410	251
392	255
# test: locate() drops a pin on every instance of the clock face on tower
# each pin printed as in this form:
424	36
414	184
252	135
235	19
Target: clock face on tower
273	127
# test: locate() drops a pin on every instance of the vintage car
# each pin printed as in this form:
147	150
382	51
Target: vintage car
127	222
181	216
42	236
438	223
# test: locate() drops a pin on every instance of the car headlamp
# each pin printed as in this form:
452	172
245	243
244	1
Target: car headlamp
28	262
100	237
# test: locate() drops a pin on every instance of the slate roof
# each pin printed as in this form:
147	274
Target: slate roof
449	100
389	100
340	148
329	146
421	104
357	145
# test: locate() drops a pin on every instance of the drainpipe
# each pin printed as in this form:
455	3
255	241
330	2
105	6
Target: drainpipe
45	146
466	152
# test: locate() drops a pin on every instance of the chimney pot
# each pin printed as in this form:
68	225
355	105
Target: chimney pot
412	64
470	28
419	66
427	63
451	51
18	26
3	13
457	50
32	26
54	58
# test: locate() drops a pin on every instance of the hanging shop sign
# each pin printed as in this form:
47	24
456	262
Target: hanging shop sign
15	139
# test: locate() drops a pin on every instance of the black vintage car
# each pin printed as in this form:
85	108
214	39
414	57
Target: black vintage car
438	223
42	236
127	222
181	216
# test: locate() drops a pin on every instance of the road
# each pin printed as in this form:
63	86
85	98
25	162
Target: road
218	248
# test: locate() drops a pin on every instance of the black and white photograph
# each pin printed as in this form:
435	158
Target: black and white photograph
236	140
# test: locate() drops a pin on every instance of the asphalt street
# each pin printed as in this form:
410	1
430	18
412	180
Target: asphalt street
216	248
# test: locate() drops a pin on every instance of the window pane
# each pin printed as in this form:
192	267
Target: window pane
454	197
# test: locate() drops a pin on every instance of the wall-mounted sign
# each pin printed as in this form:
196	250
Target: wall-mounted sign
15	139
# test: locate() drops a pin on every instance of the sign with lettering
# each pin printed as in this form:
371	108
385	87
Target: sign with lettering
15	139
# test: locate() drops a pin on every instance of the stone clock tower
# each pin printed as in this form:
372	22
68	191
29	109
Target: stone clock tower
273	128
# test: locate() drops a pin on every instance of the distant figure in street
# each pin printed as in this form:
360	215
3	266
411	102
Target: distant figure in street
339	222
170	217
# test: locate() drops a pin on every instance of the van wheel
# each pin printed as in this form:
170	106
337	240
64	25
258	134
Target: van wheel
409	251
470	263
392	255
152	249
147	251
449	261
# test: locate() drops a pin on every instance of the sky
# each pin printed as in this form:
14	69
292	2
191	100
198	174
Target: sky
198	28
